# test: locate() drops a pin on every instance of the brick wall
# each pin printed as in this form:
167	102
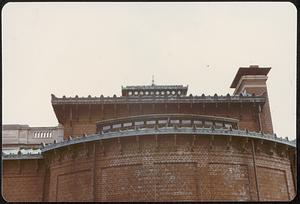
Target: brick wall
246	113
170	168
259	89
23	180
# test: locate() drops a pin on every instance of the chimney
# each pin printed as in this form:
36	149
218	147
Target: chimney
253	79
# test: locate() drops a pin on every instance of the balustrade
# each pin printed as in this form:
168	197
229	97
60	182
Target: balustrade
42	134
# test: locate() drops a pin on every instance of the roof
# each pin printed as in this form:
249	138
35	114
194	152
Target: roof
170	130
252	70
158	99
21	154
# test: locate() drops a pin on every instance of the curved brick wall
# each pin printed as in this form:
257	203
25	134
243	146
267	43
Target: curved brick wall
170	168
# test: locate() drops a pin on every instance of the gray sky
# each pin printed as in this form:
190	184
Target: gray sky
95	48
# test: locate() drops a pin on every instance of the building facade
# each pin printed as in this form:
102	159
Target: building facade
156	143
18	137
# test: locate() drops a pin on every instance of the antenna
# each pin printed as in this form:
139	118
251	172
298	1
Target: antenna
152	79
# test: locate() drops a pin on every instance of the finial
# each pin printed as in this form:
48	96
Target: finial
152	79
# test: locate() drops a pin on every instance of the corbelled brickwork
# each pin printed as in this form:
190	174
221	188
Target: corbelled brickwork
170	168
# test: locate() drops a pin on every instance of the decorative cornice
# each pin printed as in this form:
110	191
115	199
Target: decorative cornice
170	130
158	99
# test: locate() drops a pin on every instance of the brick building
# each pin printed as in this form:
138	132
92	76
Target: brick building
157	143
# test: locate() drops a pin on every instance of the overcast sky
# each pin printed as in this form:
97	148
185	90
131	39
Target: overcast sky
95	48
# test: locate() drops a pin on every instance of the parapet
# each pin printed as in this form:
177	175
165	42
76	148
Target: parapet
155	90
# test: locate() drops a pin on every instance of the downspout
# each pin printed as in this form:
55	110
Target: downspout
255	171
293	161
94	173
259	118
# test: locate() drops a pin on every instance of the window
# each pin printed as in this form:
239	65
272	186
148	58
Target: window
197	122
186	122
151	122
127	124
106	128
228	125
208	123
174	121
117	126
139	123
162	121
219	125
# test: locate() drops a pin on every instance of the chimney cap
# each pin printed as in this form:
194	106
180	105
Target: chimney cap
254	66
251	70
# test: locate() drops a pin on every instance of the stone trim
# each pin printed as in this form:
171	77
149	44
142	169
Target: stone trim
169	130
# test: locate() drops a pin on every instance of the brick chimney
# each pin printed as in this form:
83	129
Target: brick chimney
252	80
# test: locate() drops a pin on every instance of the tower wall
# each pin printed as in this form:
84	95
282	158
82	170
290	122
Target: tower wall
170	168
253	81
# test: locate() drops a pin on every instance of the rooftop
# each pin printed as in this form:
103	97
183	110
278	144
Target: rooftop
154	90
21	154
242	98
154	87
